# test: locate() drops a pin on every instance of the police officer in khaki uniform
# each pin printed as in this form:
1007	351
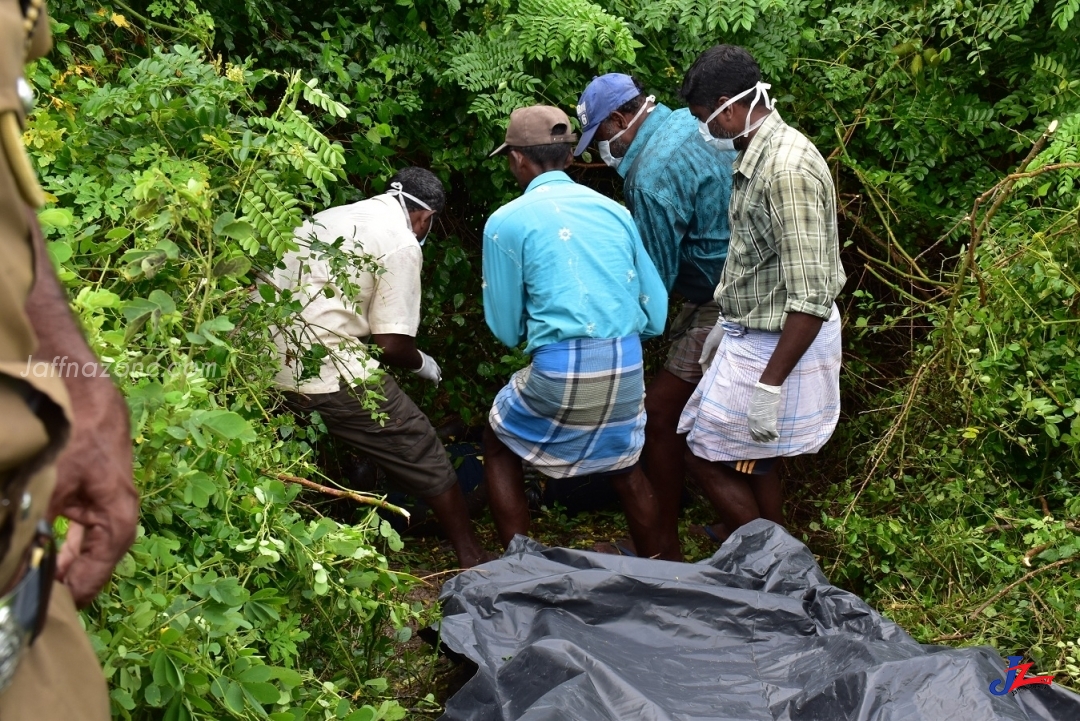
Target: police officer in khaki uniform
65	445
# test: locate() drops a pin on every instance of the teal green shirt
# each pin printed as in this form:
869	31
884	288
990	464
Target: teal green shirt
677	189
565	262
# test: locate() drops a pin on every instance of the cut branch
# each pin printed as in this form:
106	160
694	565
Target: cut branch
337	493
1026	577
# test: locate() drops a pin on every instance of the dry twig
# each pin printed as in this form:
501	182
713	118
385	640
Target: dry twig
337	493
1026	577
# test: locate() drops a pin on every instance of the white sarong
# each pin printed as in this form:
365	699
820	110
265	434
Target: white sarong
714	418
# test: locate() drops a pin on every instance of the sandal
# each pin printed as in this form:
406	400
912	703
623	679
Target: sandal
710	533
623	547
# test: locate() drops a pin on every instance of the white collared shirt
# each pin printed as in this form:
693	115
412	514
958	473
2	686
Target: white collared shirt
380	302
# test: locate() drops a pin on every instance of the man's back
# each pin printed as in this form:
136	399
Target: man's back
374	287
785	250
677	189
562	262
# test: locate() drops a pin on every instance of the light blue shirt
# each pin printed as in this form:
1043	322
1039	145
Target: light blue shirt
677	188
564	262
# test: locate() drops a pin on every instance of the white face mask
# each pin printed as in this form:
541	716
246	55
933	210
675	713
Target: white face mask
760	91
604	146
396	190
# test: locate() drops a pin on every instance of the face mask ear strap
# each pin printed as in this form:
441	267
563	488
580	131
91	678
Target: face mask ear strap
647	107
759	90
397	190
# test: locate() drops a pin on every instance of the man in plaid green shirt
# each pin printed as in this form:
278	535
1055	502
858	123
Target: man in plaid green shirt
772	385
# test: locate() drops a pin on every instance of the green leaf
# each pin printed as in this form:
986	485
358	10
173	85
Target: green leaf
122	698
264	693
165	670
234	698
221	221
287	676
238	230
152	693
229	592
228	424
59	252
169	636
233	266
200	488
255	674
177	711
162	300
55	218
127	567
267	292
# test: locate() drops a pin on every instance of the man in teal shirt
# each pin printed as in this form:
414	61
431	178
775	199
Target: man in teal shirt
565	271
677	188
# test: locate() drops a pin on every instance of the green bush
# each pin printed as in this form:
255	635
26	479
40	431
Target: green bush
178	172
173	183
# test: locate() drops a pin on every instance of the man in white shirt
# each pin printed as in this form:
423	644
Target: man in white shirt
356	276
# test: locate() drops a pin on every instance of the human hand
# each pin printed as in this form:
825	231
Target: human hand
762	415
708	348
429	369
94	490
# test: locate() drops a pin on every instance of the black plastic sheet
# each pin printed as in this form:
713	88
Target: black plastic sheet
755	632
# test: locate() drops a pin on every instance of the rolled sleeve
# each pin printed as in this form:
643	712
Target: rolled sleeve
798	206
395	305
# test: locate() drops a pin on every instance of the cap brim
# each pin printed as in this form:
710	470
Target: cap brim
498	150
586	138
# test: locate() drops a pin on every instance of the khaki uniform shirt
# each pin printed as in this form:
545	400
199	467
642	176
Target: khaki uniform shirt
31	438
784	255
59	677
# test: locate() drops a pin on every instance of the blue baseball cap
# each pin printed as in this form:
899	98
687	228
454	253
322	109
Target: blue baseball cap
601	98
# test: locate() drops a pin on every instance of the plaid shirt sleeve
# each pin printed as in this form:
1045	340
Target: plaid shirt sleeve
798	207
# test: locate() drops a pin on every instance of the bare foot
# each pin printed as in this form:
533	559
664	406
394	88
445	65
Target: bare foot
476	558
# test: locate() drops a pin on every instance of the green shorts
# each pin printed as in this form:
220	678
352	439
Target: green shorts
407	447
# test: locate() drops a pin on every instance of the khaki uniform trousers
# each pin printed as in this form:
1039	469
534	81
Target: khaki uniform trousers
59	677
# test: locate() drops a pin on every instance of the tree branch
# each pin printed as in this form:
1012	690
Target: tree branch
1026	577
336	493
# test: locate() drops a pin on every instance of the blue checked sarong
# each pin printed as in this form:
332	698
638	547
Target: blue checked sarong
578	408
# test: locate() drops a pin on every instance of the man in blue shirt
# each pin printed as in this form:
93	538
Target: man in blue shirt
677	188
565	271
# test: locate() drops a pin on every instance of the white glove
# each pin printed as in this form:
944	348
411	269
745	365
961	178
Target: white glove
708	348
429	369
764	408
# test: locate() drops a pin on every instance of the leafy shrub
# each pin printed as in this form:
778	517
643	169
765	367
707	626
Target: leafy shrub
954	475
171	180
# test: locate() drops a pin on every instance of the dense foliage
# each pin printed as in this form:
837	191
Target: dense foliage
182	140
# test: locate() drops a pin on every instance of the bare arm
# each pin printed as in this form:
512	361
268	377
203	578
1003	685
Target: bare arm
398	350
799	332
94	488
